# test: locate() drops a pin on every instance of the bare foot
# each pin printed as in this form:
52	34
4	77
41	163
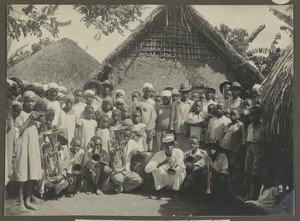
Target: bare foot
30	206
35	200
22	208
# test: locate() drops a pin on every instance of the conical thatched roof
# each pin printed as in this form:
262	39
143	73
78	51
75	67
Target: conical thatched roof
63	62
245	73
277	102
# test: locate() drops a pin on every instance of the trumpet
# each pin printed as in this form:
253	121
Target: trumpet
209	174
77	169
172	164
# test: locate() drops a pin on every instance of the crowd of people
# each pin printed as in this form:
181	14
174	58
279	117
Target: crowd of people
190	140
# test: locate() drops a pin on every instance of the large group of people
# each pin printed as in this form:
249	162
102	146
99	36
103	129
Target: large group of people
87	140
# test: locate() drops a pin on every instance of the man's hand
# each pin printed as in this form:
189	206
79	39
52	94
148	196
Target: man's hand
34	115
166	161
59	178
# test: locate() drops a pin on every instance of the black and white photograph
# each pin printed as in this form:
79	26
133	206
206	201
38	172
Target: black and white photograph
149	110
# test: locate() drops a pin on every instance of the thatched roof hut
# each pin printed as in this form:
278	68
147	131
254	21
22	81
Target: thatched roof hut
277	102
175	43
63	62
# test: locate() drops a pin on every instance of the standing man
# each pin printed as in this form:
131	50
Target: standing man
180	112
147	107
167	166
235	101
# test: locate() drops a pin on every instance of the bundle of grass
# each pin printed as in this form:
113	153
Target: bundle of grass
63	62
277	102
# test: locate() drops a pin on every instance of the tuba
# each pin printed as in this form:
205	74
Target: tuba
50	161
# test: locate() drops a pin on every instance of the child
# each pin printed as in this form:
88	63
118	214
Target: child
202	98
195	121
217	125
163	121
216	98
89	96
233	140
120	94
123	178
140	127
98	170
115	118
50	101
61	99
63	90
120	103
227	95
247	104
125	113
71	169
135	98
194	95
27	171
103	131
78	106
107	107
158	100
255	152
191	159
86	127
70	119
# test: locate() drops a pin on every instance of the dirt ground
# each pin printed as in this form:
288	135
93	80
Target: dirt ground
133	204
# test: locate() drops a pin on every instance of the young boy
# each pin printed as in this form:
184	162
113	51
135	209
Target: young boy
123	178
97	173
158	100
233	140
164	112
50	101
78	106
192	159
247	104
72	172
103	131
120	103
194	95
140	127
195	121
86	127
70	120
217	125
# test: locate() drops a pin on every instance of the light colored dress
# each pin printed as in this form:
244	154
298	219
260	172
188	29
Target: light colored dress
55	105
28	159
70	125
88	129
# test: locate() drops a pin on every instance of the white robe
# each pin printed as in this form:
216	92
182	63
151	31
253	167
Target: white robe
161	177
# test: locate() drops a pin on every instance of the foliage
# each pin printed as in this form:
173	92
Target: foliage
108	18
34	21
21	54
236	37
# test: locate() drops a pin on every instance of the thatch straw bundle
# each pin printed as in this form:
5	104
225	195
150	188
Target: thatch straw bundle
277	102
63	62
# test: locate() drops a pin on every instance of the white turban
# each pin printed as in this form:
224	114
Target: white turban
148	85
166	93
52	86
89	92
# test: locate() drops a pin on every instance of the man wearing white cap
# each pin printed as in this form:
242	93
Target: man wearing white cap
164	112
235	101
148	114
50	101
167	166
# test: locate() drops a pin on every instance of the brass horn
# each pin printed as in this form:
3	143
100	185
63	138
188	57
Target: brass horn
172	163
96	158
77	168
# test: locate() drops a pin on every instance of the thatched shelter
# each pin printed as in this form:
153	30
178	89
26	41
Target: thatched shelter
277	102
277	105
175	43
63	62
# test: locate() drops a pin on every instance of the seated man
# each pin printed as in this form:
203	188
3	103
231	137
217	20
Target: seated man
120	156
97	171
167	166
215	174
72	168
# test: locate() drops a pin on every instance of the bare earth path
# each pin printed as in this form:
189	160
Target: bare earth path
130	205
